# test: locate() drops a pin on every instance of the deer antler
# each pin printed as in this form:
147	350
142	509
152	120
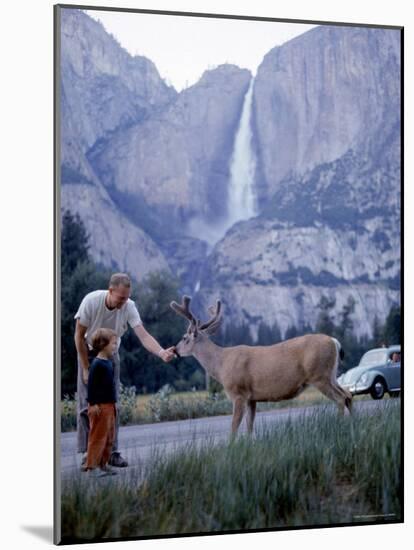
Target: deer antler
211	325
184	309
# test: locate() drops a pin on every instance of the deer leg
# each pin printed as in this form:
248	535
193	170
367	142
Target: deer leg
333	392
239	405
347	395
251	413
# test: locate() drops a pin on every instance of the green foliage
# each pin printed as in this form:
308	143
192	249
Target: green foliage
164	406
267	336
159	404
392	328
325	324
291	332
75	285
74	242
236	334
351	346
214	387
355	347
79	275
68	414
346	327
316	470
127	403
377	333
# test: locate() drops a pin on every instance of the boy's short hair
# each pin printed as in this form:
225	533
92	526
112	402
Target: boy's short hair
101	338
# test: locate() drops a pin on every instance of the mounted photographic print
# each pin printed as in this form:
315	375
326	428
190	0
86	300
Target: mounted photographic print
228	274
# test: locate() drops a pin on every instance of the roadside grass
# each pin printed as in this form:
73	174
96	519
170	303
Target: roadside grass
167	405
318	469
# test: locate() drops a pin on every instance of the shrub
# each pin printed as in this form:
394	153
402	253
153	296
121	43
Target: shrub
68	414
163	406
159	405
127	404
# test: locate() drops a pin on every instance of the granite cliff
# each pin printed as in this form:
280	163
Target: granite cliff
321	94
177	161
144	166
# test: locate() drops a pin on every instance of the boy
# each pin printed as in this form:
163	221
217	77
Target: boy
101	403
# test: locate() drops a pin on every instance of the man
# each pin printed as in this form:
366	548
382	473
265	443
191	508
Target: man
112	309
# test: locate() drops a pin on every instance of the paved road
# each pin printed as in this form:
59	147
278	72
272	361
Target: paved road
139	442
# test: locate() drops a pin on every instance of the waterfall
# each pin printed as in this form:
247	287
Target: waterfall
241	198
242	202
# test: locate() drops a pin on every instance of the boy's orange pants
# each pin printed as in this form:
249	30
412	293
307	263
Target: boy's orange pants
101	434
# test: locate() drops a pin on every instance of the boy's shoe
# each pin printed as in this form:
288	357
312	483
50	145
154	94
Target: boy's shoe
107	470
99	472
117	460
94	472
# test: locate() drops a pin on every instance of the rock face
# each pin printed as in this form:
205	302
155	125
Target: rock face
277	271
114	241
177	161
327	129
333	232
148	171
103	86
103	89
321	94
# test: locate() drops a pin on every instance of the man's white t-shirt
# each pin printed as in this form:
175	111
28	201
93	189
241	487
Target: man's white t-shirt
94	314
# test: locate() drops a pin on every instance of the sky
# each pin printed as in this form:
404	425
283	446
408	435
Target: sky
182	48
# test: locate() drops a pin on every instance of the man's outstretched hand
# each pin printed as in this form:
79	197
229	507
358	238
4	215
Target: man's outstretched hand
167	354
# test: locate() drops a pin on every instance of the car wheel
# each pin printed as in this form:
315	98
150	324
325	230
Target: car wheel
378	389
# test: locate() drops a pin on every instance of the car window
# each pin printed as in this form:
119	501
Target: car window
374	357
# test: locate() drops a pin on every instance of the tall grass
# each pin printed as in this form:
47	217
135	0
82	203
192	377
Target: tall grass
315	470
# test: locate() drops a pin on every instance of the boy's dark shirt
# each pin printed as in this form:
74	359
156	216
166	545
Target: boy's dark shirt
101	383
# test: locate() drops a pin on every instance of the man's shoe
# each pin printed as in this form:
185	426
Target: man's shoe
83	462
117	460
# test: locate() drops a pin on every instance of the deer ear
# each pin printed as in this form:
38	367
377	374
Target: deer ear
213	328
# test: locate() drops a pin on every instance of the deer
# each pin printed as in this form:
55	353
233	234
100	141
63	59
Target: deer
251	374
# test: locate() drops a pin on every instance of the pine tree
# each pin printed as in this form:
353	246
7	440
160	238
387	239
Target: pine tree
377	334
325	324
276	334
79	276
347	325
264	335
74	242
392	328
291	332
